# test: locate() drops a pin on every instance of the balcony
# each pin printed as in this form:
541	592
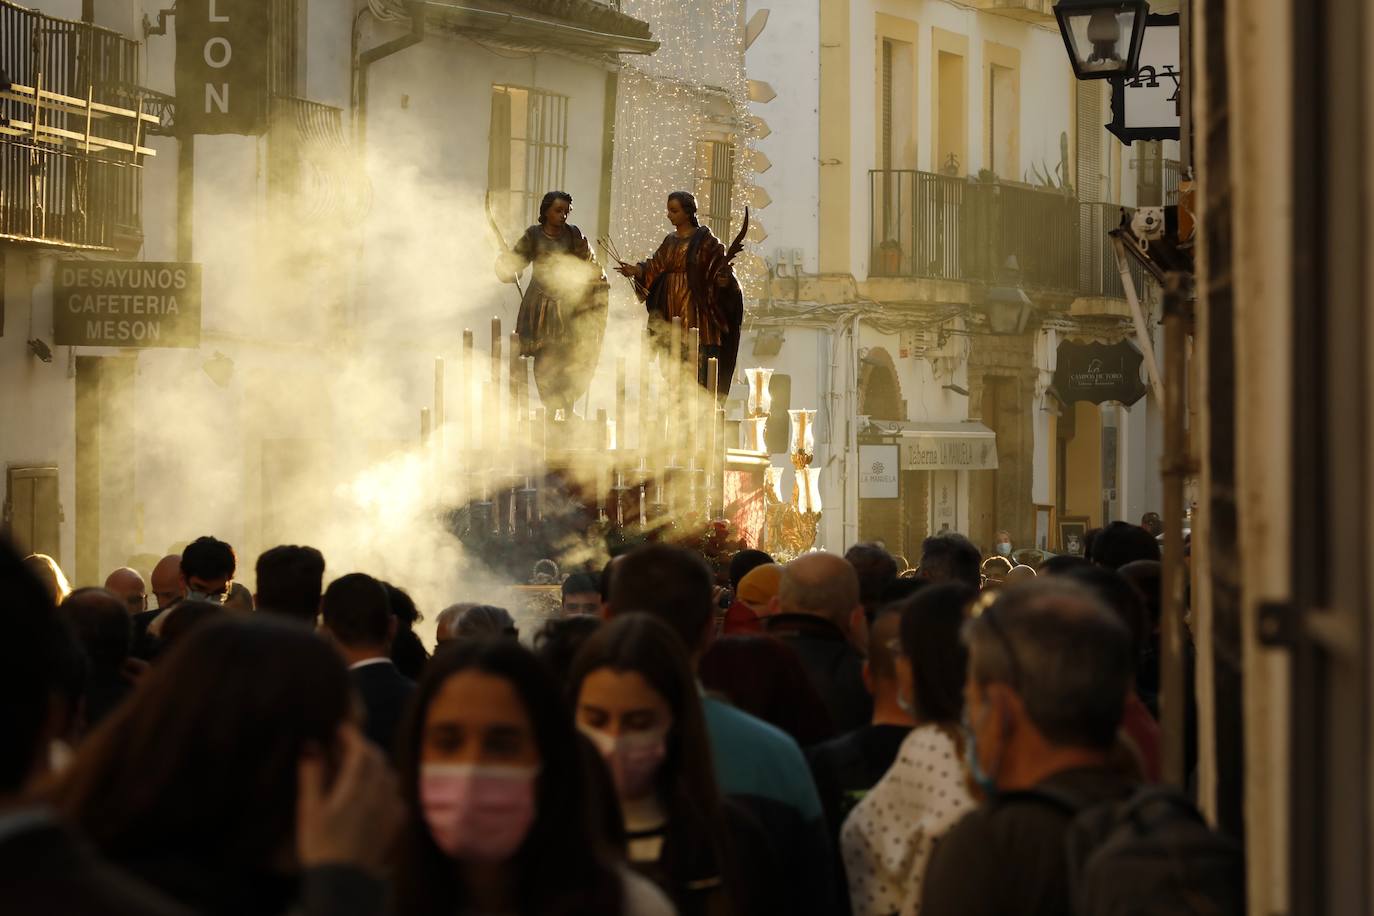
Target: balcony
313	175
71	145
946	228
1025	10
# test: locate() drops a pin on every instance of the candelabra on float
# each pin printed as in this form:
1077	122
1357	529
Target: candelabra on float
791	528
760	404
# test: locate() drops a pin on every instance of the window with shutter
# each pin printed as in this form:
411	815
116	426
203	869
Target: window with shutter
1090	120
33	514
715	174
528	151
886	151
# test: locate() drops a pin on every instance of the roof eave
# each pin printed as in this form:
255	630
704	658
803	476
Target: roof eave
535	29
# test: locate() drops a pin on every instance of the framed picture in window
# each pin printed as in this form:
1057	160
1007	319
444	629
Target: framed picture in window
1073	535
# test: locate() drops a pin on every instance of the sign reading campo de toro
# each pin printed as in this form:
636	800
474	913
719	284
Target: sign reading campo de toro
126	304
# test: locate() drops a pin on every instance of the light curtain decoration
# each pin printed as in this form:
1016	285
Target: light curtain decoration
693	87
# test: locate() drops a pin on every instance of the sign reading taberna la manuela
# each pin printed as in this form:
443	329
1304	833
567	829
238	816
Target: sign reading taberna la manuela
1097	372
126	304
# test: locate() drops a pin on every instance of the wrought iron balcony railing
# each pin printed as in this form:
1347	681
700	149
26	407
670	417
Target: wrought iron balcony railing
313	173
947	228
71	143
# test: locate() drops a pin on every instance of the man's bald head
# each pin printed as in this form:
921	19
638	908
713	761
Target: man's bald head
167	585
128	586
822	585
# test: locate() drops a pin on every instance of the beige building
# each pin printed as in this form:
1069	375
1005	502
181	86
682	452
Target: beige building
941	189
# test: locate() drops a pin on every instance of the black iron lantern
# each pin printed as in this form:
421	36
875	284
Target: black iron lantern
1103	37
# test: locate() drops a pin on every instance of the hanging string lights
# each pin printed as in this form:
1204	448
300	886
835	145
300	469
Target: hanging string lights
693	88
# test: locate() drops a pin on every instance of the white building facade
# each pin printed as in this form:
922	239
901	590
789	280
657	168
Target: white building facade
342	248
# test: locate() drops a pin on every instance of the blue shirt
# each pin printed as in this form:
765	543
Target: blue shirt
753	758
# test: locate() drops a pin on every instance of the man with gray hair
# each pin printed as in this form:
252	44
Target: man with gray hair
1048	671
448	617
816	610
484	621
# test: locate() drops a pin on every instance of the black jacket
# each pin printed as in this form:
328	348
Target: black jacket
144	644
834	666
845	768
45	869
385	692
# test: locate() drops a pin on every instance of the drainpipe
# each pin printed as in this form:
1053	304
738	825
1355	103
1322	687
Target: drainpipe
367	58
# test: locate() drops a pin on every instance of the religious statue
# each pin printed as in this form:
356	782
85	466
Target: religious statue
691	277
562	317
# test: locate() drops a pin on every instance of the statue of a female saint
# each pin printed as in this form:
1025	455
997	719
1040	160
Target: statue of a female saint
562	317
691	277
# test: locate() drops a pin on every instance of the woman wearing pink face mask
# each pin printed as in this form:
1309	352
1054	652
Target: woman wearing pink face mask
501	820
634	697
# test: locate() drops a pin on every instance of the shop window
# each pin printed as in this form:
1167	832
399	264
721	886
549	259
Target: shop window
528	151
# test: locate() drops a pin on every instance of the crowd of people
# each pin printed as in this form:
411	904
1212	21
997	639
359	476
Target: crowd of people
832	735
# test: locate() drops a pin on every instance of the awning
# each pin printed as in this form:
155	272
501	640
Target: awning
956	446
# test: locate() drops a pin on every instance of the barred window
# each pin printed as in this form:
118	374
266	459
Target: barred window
528	151
715	178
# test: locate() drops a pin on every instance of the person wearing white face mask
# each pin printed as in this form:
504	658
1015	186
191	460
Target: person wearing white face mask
1002	544
634	697
207	574
497	787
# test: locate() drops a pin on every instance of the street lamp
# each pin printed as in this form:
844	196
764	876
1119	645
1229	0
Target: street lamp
1103	37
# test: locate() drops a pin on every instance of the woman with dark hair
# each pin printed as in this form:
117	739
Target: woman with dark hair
765	677
408	654
501	815
563	313
634	696
690	277
209	781
887	838
560	639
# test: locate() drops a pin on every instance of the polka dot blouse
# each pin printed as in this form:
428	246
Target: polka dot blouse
887	838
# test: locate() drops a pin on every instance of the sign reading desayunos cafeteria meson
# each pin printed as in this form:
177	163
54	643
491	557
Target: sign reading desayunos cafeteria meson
126	304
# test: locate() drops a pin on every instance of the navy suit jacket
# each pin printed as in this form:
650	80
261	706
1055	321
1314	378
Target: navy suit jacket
385	692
